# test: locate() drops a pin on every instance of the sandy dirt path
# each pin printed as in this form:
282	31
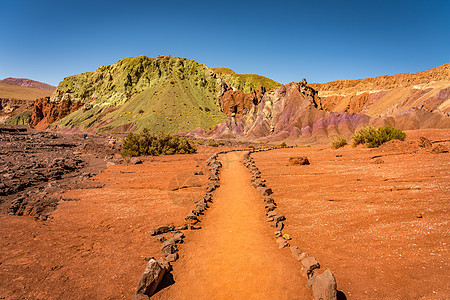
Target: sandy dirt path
234	255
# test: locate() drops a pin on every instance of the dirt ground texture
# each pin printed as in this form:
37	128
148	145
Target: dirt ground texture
378	218
234	255
95	247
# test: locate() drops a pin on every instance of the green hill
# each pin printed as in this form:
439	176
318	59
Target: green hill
166	94
245	82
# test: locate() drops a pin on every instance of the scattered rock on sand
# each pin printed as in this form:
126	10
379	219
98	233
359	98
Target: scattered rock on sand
282	243
162	229
135	161
439	149
298	161
150	279
324	286
425	143
309	265
378	161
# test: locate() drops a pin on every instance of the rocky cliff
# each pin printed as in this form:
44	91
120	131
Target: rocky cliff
165	94
15	112
45	112
295	112
389	96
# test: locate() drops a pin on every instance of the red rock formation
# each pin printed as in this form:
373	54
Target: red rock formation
46	112
238	103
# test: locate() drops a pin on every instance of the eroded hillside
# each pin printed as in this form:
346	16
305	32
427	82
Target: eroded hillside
389	96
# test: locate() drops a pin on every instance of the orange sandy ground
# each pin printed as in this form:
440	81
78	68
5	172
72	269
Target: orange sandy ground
94	248
234	255
362	220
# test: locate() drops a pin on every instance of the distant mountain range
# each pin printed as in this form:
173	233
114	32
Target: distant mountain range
171	94
28	83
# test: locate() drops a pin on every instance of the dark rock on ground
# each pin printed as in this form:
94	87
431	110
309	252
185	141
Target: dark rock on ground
324	286
298	161
161	229
150	279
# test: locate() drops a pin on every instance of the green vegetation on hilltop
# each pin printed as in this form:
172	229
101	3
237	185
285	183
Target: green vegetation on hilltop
166	94
245	82
147	143
371	137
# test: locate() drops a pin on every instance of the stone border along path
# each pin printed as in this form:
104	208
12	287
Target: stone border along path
323	285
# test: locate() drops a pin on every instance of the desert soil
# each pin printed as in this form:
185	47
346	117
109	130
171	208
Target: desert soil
95	246
234	255
377	218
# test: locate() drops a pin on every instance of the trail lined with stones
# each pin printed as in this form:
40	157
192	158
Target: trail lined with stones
234	255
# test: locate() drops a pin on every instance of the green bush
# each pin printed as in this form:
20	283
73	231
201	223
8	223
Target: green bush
338	142
283	144
214	144
147	143
371	137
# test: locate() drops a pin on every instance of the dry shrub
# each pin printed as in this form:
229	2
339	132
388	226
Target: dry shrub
338	142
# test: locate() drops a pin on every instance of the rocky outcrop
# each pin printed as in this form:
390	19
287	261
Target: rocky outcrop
238	103
164	94
295	112
15	112
389	96
46	112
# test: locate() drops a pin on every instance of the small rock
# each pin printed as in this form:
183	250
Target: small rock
135	161
270	219
183	227
324	286
271	214
162	229
265	191
168	247
195	227
378	161
178	237
279	218
439	149
419	216
161	239
282	243
278	234
298	161
150	279
309	265
425	143
296	252
172	257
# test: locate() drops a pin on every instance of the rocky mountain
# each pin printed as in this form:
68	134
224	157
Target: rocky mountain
171	94
28	83
298	112
165	94
389	96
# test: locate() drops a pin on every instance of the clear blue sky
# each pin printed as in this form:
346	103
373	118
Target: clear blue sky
284	40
